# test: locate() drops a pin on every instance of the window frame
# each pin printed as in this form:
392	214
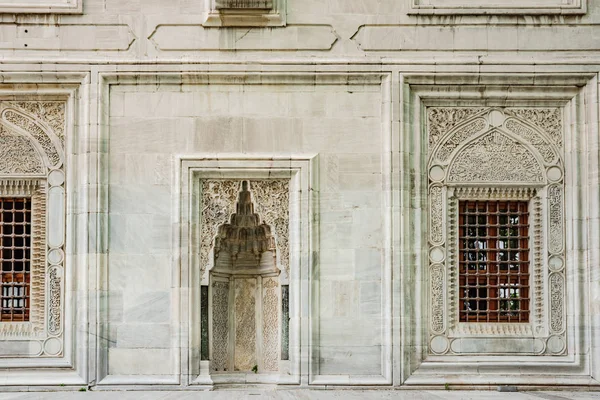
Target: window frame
48	7
532	195
15	279
492	274
34	189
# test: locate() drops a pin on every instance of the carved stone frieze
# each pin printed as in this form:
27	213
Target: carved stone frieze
555	200
50	113
447	147
534	138
273	205
217	204
538	309
436	214
28	125
270	329
18	156
557	284
495	157
547	119
437	278
220	325
245	324
243	4
494	193
442	119
451	282
38	260
54	306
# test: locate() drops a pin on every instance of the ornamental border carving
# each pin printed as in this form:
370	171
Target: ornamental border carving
476	137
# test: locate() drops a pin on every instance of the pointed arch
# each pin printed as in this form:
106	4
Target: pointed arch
496	157
490	118
46	142
18	155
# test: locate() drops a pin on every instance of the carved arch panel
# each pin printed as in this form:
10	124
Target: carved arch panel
492	153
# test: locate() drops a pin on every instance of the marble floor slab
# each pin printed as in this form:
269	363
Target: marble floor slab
302	395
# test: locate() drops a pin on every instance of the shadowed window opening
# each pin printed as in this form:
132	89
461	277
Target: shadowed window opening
494	261
15	255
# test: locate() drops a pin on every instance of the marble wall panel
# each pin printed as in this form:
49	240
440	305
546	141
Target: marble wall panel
140	361
151	124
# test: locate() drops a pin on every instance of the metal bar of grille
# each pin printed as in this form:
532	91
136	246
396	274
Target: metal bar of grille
15	256
494	261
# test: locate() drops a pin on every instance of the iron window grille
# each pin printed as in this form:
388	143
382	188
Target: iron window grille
494	261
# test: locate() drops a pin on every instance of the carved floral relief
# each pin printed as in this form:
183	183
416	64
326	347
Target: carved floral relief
218	199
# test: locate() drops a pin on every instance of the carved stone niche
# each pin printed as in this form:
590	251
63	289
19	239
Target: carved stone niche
244	245
497	154
246	241
258	13
246	295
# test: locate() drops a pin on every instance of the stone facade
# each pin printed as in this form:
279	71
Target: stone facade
230	193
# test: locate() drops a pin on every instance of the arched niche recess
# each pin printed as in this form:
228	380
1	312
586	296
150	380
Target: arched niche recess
244	294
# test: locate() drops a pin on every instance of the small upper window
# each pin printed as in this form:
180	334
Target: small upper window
494	261
242	13
45	7
15	253
486	7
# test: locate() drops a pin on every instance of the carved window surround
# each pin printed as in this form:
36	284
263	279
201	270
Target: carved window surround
32	136
218	174
496	154
35	190
458	329
527	104
240	13
44	6
486	7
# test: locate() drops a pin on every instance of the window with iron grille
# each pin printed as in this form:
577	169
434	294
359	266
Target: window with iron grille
15	253
494	261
